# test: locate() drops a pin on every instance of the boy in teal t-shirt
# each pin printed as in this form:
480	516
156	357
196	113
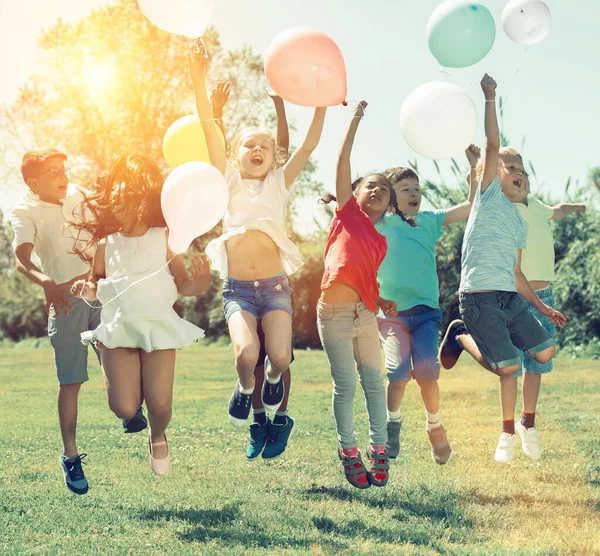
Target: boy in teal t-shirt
408	276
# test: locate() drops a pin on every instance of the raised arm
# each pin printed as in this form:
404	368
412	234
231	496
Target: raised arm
283	134
343	179
492	133
218	98
197	62
462	211
294	165
564	209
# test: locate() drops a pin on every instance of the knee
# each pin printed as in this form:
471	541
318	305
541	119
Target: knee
246	357
159	408
505	372
397	385
425	383
123	409
545	355
280	359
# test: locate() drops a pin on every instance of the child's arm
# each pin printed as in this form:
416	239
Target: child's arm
462	211
564	209
283	134
216	151
492	133
387	306
55	295
301	155
527	292
88	288
218	98
343	179
187	285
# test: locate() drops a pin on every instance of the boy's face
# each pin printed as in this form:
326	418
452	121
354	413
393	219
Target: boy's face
408	192
50	183
513	179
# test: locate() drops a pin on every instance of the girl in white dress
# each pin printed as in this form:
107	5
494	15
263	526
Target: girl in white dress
137	279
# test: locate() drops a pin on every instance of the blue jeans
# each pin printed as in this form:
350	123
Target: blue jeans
350	338
411	337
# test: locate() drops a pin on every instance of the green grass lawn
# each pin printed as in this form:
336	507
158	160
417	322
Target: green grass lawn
213	501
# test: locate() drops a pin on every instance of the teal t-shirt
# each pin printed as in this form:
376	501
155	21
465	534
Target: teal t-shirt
408	274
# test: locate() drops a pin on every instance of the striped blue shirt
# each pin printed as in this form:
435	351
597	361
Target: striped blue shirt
495	232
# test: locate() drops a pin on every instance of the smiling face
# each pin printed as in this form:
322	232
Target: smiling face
408	193
50	182
373	195
256	154
513	178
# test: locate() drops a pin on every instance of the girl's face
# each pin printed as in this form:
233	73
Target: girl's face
408	193
373	196
125	217
513	178
256	154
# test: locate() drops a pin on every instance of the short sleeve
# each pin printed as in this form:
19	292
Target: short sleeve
492	190
522	239
545	210
23	227
440	214
232	174
276	180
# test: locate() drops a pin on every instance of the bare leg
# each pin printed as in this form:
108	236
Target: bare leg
123	380
508	397
468	344
430	393
246	346
531	390
395	394
158	370
67	416
277	326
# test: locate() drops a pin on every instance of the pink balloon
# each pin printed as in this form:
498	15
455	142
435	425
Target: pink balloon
305	67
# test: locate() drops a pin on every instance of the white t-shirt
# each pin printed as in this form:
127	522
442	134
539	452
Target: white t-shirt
43	224
256	205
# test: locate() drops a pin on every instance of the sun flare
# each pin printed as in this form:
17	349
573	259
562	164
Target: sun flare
99	77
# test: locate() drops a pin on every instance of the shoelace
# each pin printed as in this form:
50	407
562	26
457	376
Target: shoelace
74	467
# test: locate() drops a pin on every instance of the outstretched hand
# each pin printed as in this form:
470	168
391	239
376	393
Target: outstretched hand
57	297
199	270
488	86
557	318
359	109
220	95
198	62
473	153
85	289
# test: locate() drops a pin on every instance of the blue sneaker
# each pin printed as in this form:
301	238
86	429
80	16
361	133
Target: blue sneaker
239	406
73	472
258	439
136	423
277	440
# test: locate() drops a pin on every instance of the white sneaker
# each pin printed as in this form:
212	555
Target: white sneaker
506	448
529	441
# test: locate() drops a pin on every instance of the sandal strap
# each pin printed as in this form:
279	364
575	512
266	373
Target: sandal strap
353	466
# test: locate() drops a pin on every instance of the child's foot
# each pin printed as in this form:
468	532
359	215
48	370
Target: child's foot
440	448
379	466
278	438
160	464
393	438
354	469
450	350
505	450
239	406
136	423
258	439
73	472
272	393
529	440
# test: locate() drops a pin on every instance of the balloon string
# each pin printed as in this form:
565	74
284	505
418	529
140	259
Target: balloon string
130	285
513	82
356	103
445	71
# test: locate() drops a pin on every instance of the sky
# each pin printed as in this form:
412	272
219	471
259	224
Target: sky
551	88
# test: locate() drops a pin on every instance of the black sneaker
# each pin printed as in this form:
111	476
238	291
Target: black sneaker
136	423
272	394
393	438
239	406
74	475
449	349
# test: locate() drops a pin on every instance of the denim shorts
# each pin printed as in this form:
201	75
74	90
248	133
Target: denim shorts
528	363
64	331
409	342
258	297
502	326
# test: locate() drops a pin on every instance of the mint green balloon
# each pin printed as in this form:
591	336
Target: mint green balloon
460	33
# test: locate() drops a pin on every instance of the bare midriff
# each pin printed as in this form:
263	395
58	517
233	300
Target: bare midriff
339	293
539	284
252	255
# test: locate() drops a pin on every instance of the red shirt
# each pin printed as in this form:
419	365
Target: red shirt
354	252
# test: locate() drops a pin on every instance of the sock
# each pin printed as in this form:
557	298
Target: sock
378	449
508	426
273	380
246	391
394	416
352	452
68	458
528	420
433	420
260	416
280	418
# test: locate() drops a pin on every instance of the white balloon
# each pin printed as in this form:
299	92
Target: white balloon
194	199
526	21
438	120
189	18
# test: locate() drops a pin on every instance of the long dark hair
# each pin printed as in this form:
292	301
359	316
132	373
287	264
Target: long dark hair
134	179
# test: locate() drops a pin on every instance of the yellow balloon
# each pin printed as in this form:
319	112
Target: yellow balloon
184	142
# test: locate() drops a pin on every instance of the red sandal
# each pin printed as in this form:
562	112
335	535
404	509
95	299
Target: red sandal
355	470
379	467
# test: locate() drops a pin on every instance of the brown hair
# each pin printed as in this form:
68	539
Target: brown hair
33	160
502	153
137	180
279	153
398	174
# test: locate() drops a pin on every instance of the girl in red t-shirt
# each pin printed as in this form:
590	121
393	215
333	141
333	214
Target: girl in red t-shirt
346	311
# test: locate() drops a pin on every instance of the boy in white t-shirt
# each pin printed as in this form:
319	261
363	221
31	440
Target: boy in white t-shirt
38	221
